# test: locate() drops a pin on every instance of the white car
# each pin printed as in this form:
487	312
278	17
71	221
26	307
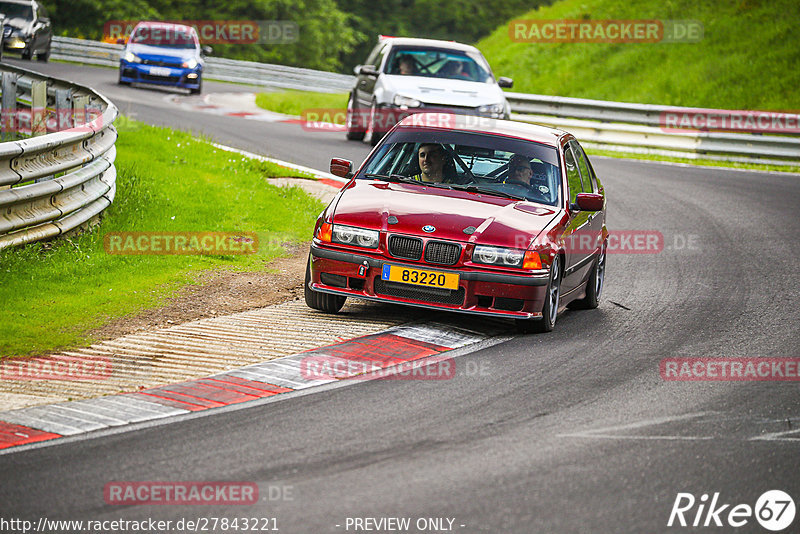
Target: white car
404	75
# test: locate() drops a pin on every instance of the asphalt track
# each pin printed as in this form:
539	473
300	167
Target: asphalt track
573	431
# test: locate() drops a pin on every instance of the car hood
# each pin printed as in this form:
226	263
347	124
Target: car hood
18	23
445	92
160	53
497	221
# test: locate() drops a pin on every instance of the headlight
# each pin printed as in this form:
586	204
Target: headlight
190	64
400	100
508	257
130	57
492	108
359	237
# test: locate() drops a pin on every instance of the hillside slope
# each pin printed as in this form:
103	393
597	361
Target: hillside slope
748	57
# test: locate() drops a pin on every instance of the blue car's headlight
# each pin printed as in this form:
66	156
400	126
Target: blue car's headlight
189	64
130	57
359	237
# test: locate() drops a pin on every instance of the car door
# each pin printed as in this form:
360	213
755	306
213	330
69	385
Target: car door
578	232
595	219
46	31
365	84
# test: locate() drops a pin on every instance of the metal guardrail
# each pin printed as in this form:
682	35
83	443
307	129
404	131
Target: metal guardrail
63	175
637	128
616	126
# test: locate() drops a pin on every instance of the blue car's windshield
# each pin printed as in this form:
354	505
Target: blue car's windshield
164	36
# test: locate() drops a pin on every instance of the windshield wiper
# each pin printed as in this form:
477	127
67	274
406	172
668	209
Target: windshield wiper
488	191
404	179
391	177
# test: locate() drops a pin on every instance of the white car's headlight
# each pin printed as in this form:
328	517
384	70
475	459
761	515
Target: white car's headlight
358	237
492	108
130	57
190	64
407	101
508	257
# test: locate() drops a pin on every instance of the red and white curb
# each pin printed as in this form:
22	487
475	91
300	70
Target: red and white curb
389	349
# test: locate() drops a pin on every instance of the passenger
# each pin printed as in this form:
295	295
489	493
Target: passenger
519	170
454	69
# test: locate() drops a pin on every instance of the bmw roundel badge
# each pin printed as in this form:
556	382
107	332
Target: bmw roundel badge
428	228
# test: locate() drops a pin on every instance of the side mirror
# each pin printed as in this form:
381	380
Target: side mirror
368	70
207	50
120	41
341	167
504	82
588	202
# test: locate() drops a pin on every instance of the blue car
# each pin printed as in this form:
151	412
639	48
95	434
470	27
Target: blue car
162	53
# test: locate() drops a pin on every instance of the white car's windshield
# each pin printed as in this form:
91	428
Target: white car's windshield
488	164
438	63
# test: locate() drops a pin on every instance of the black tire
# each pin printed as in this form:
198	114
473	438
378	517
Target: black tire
43	56
119	80
27	54
594	285
320	301
551	303
199	88
355	132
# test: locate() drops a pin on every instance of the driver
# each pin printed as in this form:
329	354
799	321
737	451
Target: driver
432	162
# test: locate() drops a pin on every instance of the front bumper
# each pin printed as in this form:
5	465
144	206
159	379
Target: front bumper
480	292
170	76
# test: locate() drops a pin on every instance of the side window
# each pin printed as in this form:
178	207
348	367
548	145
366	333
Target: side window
373	55
586	174
573	175
379	59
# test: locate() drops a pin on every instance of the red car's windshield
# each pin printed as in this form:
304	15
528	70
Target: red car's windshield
492	164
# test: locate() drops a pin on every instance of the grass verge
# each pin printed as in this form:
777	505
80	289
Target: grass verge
295	102
54	294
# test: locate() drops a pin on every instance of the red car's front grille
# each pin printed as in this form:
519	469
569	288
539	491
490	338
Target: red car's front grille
442	253
409	248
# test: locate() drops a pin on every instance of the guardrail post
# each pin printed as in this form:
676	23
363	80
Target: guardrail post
9	105
63	109
39	113
79	109
38	107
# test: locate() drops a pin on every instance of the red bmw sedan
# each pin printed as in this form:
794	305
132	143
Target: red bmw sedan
464	214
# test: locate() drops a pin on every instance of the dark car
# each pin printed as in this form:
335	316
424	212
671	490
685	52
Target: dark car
500	219
26	29
163	53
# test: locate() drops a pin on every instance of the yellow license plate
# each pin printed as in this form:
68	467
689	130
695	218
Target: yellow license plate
420	277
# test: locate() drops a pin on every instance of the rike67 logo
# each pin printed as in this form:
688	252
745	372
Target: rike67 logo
774	510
